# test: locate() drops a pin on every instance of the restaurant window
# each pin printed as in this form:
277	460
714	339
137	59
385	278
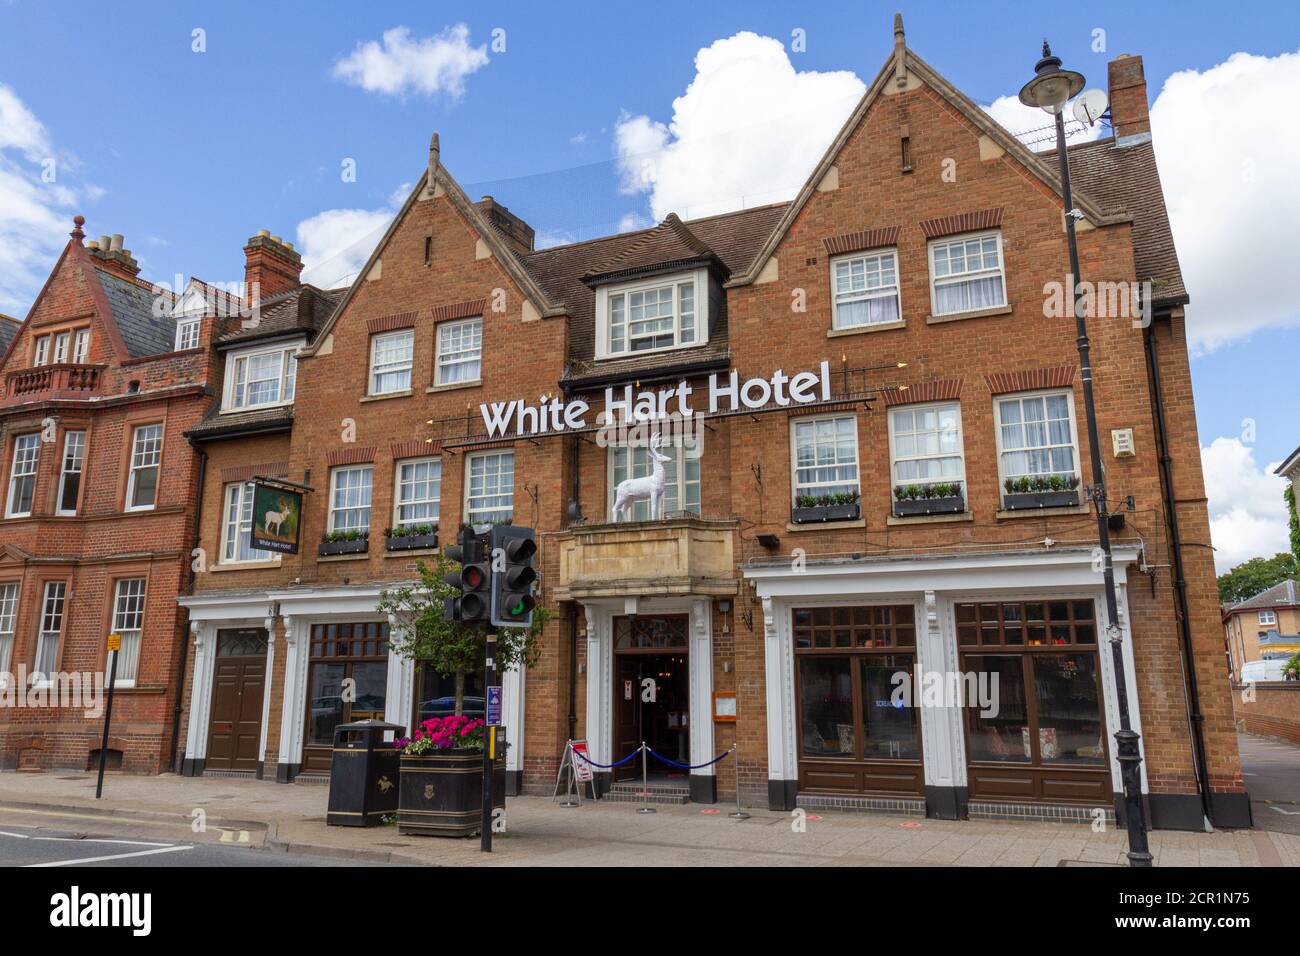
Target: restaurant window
347	677
459	351
22	476
850	661
146	454
1044	656
74	460
681	476
436	694
490	487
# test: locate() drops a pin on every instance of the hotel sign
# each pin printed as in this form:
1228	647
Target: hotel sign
725	392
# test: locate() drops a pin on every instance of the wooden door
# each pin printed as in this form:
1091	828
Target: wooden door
235	724
627	714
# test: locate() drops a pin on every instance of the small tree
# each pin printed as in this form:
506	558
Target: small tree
421	632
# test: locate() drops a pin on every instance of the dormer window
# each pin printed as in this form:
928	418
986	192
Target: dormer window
652	315
187	333
81	346
42	354
258	378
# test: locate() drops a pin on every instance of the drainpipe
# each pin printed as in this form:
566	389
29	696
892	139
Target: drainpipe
185	633
1195	717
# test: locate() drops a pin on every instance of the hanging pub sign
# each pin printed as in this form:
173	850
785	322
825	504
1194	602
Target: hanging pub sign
277	514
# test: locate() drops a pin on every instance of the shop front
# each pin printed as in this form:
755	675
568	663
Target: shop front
948	685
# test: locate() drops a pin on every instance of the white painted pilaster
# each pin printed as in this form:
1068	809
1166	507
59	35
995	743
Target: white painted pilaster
700	664
269	624
778	648
1107	664
942	744
512	716
600	654
293	706
196	734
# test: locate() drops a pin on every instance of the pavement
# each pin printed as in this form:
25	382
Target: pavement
260	819
1270	768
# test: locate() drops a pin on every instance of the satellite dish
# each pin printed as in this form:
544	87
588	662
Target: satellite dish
1089	105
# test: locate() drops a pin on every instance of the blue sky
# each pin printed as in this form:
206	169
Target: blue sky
189	153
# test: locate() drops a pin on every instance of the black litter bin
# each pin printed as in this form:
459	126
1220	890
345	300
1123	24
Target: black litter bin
363	774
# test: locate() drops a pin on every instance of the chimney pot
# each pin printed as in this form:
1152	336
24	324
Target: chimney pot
105	243
93	244
264	233
117	242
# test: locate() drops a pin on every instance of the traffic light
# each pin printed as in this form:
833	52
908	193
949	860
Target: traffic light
513	576
473	580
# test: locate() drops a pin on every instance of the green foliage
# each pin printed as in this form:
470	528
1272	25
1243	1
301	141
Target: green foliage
1291	670
410	530
1256	575
1289	495
353	535
1030	485
422	633
826	501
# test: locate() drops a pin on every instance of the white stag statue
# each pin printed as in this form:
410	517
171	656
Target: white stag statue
649	487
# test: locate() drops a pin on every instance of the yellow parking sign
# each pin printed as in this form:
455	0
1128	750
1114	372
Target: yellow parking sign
115	642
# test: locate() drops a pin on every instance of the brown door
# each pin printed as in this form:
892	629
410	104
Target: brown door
235	725
627	714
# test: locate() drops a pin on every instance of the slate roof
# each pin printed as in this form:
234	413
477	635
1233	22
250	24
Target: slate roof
567	275
1124	179
1279	595
8	330
132	303
304	309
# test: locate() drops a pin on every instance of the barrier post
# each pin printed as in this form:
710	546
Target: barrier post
735	752
645	784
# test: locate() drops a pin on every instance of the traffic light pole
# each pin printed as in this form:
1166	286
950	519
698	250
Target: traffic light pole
489	744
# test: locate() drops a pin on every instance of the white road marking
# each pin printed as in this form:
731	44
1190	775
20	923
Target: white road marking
1289	813
115	856
27	836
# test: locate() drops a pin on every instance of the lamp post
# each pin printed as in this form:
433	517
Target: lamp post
1050	89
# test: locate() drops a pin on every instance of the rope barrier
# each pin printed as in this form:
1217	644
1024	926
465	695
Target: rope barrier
687	766
607	766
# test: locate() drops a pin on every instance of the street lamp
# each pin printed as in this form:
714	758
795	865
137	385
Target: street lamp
1049	90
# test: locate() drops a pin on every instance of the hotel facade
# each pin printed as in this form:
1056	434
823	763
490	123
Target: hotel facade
880	489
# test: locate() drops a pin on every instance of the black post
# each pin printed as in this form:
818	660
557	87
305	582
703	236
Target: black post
489	741
108	716
1126	738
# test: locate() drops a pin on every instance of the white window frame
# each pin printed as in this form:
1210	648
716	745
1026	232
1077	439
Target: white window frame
400	483
1268	618
31	465
606	296
242	526
80	346
406	364
937	280
135	466
368	492
287	380
470	512
819	488
1068	394
187	332
128	623
62	342
446	358
895	458
867	294
64	470
681	453
41	355
54	607
8	624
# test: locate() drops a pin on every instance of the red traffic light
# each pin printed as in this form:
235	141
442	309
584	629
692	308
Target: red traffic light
472	577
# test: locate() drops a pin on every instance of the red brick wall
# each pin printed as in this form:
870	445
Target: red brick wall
1274	711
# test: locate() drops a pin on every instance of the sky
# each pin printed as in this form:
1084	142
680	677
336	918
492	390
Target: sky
189	127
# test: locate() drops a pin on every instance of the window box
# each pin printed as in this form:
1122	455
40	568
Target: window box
344	545
411	538
1046	491
812	509
938	499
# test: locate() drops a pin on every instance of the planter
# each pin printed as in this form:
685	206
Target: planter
411	542
907	507
1040	499
327	548
441	794
826	513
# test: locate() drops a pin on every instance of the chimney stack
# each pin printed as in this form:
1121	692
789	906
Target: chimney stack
517	233
271	266
111	257
1129	114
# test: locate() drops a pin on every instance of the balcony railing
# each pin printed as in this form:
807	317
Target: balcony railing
675	556
53	381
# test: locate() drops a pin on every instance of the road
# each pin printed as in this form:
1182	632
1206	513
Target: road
52	839
1270	769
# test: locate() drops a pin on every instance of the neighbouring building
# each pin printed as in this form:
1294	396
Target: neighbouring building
97	521
1263	627
8	329
884	476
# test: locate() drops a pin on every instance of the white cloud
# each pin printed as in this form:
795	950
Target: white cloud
401	64
748	130
35	213
1228	159
1248	517
1035	128
336	243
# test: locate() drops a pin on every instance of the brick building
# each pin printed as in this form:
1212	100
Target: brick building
883	476
97	521
1263	627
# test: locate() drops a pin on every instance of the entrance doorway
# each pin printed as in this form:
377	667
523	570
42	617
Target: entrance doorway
235	727
652	693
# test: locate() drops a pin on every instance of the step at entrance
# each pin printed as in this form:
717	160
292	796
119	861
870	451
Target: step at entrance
631	791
